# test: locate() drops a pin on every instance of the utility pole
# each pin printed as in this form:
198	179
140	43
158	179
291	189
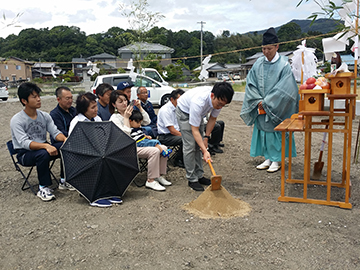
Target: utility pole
40	67
201	45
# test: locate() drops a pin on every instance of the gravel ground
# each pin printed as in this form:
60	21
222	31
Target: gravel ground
151	230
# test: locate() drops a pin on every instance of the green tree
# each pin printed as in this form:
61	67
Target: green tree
288	32
140	18
92	45
174	71
154	62
157	35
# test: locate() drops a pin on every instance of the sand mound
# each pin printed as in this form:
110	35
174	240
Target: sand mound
217	204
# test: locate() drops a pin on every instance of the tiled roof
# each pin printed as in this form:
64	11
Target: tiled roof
148	47
44	65
102	55
78	60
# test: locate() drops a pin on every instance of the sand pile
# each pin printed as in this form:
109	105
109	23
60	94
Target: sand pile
217	204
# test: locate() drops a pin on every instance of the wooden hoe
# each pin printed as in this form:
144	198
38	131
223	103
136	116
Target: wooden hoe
215	179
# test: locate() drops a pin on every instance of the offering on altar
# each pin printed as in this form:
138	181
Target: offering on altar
313	83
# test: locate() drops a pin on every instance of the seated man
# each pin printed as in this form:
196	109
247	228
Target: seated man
103	92
64	112
62	115
125	87
168	128
216	137
29	128
150	129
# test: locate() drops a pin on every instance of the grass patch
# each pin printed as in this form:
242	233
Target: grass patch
239	87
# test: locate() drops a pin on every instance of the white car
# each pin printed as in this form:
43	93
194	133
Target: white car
154	74
158	94
4	93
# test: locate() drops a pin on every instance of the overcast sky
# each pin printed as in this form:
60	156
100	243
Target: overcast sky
91	16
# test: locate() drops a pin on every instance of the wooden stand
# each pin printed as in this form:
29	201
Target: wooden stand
309	127
314	99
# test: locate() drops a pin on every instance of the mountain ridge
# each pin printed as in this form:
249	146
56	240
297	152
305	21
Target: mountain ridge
320	25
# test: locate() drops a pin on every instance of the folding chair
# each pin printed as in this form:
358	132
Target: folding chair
17	165
174	153
143	163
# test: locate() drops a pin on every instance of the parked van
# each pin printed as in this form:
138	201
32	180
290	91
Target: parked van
158	94
154	74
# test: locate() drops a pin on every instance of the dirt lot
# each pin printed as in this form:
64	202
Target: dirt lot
152	231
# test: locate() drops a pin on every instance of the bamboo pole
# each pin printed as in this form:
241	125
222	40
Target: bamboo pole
356	33
355	81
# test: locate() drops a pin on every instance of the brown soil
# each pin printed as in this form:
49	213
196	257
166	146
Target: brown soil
151	230
217	204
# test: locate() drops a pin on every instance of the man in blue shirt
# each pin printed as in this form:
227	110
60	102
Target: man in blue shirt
150	129
64	112
62	115
103	92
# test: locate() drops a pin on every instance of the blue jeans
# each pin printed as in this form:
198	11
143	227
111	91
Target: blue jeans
148	143
41	159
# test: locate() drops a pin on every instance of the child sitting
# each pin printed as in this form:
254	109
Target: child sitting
141	139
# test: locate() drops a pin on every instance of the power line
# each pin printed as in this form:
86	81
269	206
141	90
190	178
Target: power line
199	56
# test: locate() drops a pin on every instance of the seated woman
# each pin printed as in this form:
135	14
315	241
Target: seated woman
120	113
87	109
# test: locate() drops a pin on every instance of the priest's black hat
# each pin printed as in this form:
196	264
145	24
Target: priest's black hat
270	37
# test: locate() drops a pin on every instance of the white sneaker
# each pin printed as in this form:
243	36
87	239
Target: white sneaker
154	185
163	181
263	166
274	167
45	194
66	186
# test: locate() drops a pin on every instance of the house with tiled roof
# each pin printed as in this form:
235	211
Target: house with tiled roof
252	59
217	69
14	69
45	69
132	51
106	61
104	58
78	64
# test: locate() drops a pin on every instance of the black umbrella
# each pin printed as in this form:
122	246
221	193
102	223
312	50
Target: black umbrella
100	160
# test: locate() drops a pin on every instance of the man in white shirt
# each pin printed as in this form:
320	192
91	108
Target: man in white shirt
168	128
191	108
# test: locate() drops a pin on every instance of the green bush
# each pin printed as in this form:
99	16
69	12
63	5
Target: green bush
38	80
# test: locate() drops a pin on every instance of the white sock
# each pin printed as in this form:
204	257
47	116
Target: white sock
267	162
275	163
